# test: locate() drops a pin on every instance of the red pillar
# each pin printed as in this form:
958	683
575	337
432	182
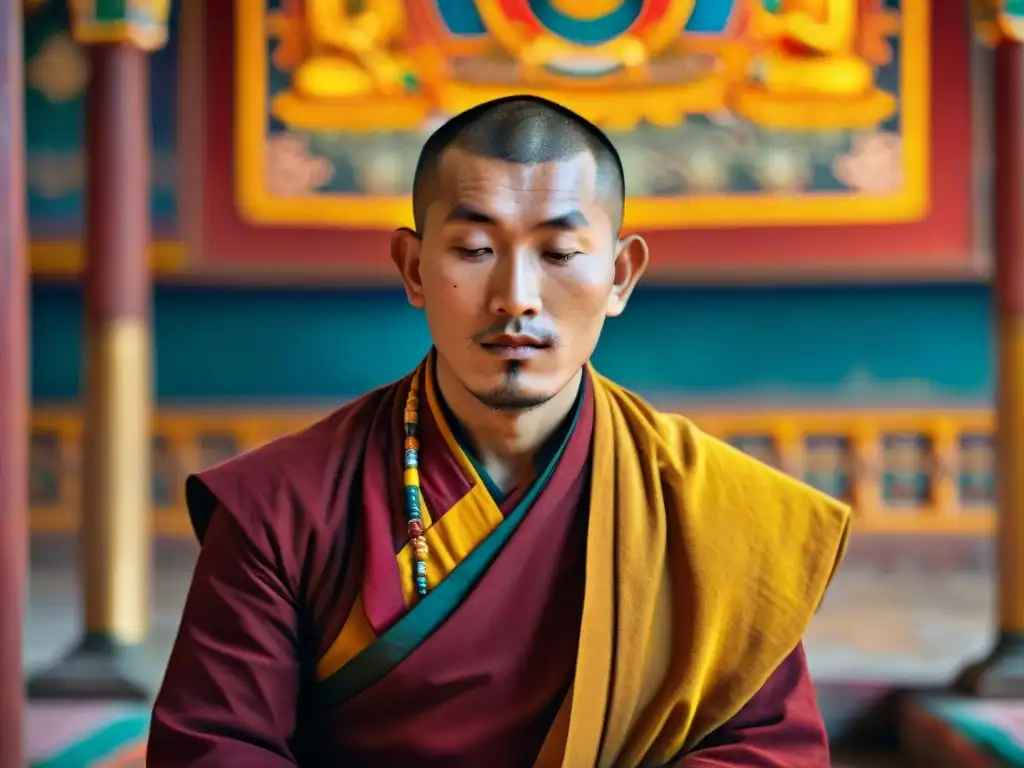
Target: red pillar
13	383
1002	673
1008	126
114	531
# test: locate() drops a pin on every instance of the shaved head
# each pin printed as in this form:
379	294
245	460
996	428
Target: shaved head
524	130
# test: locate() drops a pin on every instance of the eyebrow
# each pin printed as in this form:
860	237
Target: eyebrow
571	220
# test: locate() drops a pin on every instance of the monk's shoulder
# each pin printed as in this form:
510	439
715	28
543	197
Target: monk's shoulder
283	482
732	485
788	536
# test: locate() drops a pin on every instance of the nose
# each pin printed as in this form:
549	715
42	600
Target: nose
515	286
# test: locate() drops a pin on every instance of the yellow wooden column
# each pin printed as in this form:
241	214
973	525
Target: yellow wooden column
1002	673
115	530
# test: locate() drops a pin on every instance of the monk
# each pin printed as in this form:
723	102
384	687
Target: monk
503	559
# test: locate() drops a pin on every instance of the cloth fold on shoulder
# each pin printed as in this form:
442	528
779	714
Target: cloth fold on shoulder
704	568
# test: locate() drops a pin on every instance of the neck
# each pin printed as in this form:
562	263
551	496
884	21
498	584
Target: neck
505	442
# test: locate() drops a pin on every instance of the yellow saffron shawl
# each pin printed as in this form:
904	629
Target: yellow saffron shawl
704	568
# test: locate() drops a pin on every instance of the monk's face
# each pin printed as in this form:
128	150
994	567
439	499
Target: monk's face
517	268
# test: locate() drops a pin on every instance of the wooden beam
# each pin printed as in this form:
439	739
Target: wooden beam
13	382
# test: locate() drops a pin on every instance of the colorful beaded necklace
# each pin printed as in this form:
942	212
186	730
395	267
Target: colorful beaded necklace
411	475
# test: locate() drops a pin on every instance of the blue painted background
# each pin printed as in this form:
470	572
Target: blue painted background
914	344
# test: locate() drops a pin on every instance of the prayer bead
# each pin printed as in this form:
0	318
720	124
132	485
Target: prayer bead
411	477
412	499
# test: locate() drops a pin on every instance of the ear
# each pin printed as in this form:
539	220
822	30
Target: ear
405	252
630	262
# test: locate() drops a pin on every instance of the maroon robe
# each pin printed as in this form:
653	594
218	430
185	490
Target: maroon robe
281	564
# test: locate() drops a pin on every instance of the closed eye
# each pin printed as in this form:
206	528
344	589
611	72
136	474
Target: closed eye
474	253
562	256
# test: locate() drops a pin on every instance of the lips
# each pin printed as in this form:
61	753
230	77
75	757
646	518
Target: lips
518	347
517	341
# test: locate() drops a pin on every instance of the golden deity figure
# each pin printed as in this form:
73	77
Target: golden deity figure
818	69
348	68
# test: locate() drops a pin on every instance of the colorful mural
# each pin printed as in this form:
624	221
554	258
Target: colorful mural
727	112
197	146
56	73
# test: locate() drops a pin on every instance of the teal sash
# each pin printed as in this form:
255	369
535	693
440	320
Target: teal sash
378	660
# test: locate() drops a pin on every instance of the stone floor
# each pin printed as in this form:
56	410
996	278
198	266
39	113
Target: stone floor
902	611
905	610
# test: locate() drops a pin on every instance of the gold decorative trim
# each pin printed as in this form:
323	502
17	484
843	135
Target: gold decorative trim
63	258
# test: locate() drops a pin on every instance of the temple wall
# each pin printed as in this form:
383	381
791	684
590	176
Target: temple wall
754	346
